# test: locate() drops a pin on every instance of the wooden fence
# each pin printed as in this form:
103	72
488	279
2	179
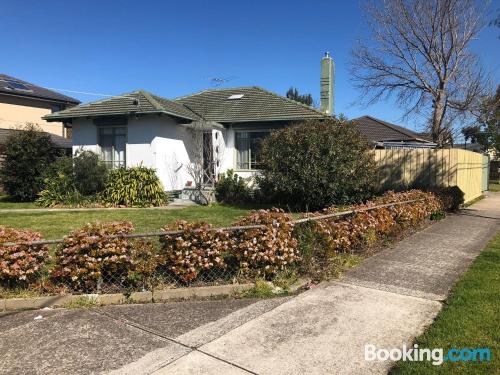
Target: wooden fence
402	168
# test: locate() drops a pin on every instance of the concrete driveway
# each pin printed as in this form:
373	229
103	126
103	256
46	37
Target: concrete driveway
386	301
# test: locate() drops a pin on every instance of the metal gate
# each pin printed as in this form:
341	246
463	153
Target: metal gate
486	171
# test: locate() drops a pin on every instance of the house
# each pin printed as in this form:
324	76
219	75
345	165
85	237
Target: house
143	128
386	135
22	102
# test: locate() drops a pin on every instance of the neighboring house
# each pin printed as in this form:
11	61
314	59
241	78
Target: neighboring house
22	102
386	135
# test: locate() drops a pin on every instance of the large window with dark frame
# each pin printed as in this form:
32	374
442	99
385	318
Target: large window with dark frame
112	143
248	149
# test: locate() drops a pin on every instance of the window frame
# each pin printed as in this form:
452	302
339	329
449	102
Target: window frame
235	157
113	163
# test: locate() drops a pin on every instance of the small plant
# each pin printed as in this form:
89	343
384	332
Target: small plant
73	181
88	258
265	252
137	186
197	250
261	289
21	264
89	173
232	188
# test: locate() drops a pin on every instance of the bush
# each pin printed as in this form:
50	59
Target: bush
137	186
317	164
451	197
73	181
87	258
90	173
59	185
197	250
232	188
369	228
27	154
21	263
265	252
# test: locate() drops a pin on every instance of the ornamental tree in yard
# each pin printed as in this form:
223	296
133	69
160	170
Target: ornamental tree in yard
27	154
317	164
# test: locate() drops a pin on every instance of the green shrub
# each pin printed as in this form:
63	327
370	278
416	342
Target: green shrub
27	154
137	186
317	164
452	197
21	264
90	173
73	181
232	188
59	185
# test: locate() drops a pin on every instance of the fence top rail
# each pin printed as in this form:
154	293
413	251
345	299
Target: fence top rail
222	229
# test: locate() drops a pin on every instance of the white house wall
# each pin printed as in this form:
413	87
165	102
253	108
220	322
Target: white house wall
155	142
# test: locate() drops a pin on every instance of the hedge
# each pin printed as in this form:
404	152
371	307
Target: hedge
87	260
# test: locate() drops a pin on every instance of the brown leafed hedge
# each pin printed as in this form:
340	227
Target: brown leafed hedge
88	258
21	263
196	250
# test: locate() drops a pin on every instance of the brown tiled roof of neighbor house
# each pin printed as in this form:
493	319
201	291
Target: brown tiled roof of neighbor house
245	104
59	142
378	131
17	87
137	102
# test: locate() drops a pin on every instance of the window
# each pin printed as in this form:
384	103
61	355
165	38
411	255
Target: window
247	149
112	142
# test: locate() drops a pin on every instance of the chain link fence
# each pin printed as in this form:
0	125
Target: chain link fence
119	273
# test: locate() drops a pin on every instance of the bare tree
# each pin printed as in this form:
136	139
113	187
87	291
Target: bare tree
420	53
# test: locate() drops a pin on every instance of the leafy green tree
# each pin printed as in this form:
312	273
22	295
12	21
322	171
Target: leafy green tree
489	123
293	94
317	164
27	154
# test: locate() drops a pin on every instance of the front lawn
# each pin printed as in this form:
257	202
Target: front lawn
494	186
8	202
57	224
469	319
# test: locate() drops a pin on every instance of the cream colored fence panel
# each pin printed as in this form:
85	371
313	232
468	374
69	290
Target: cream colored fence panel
403	168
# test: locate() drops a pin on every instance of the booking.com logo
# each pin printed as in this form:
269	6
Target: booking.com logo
436	355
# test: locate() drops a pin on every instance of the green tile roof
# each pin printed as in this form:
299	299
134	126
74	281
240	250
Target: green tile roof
246	105
250	104
137	102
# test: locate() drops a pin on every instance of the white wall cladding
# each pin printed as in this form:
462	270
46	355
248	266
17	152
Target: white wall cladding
156	142
161	143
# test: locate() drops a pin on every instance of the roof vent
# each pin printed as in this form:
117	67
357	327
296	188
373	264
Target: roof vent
236	96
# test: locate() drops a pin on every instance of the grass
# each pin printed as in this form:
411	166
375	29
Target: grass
494	186
8	202
54	225
469	319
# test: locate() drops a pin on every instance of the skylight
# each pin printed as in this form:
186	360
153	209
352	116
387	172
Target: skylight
235	96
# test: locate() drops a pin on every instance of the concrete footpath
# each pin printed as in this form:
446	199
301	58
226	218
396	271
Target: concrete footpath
387	301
